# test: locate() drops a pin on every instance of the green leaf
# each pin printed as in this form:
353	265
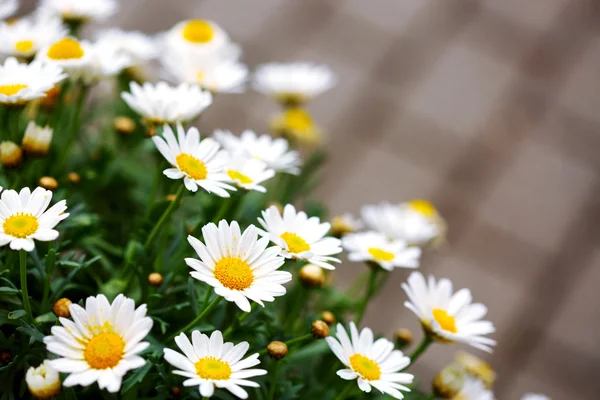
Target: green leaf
16	314
9	290
48	317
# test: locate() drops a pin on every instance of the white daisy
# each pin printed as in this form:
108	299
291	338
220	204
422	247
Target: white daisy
20	83
37	139
448	317
416	221
300	237
101	343
108	60
81	11
74	56
473	389
209	363
136	45
534	396
25	37
24	218
238	265
8	8
344	224
377	248
293	83
43	381
162	103
248	173
372	363
198	163
196	37
217	77
274	152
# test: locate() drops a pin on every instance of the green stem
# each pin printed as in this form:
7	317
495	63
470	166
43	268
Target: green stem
226	205
204	312
241	319
344	393
273	385
73	129
368	294
164	217
427	340
24	291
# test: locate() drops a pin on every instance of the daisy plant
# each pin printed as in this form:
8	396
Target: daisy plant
194	261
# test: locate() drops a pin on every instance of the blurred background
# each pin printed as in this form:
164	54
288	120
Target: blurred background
488	108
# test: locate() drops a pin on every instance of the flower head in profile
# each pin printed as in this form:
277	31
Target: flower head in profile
198	163
344	224
473	389
101	343
293	83
166	104
209	363
8	8
76	57
448	317
216	75
196	37
300	237
137	46
25	217
21	83
376	247
248	173
26	36
37	139
274	152
43	381
238	265
80	11
416	222
373	363
296	124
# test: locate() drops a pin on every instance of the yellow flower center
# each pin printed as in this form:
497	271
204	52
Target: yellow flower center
295	243
200	76
423	207
11	90
198	31
193	167
296	119
447	322
213	368
105	350
234	273
21	225
380	254
24	46
65	49
365	367
238	176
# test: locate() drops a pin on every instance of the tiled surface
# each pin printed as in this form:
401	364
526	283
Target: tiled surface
488	107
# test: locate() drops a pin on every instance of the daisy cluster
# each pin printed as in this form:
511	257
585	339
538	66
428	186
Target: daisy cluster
194	262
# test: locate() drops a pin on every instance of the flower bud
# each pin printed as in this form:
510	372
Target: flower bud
328	317
124	125
61	308
319	329
74	178
176	391
449	381
11	154
403	337
43	382
37	139
476	367
312	275
277	350
48	182
155	279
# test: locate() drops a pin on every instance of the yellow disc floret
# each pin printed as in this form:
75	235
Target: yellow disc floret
239	177
104	350
423	207
21	225
24	46
380	254
198	31
11	90
447	322
193	167
298	120
365	367
234	273
65	49
213	368
295	243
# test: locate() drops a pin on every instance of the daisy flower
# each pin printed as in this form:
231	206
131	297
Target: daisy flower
43	381
26	36
373	363
197	37
416	221
217	77
446	316
297	124
344	224
165	104
101	343
534	396
138	46
74	56
81	11
8	8
198	163
108	60
293	83
248	173
377	248
209	363
238	265
11	154
20	83
37	139
24	218
274	152
300	237
473	389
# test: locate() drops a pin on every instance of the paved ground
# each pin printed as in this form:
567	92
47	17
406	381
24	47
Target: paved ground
490	108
